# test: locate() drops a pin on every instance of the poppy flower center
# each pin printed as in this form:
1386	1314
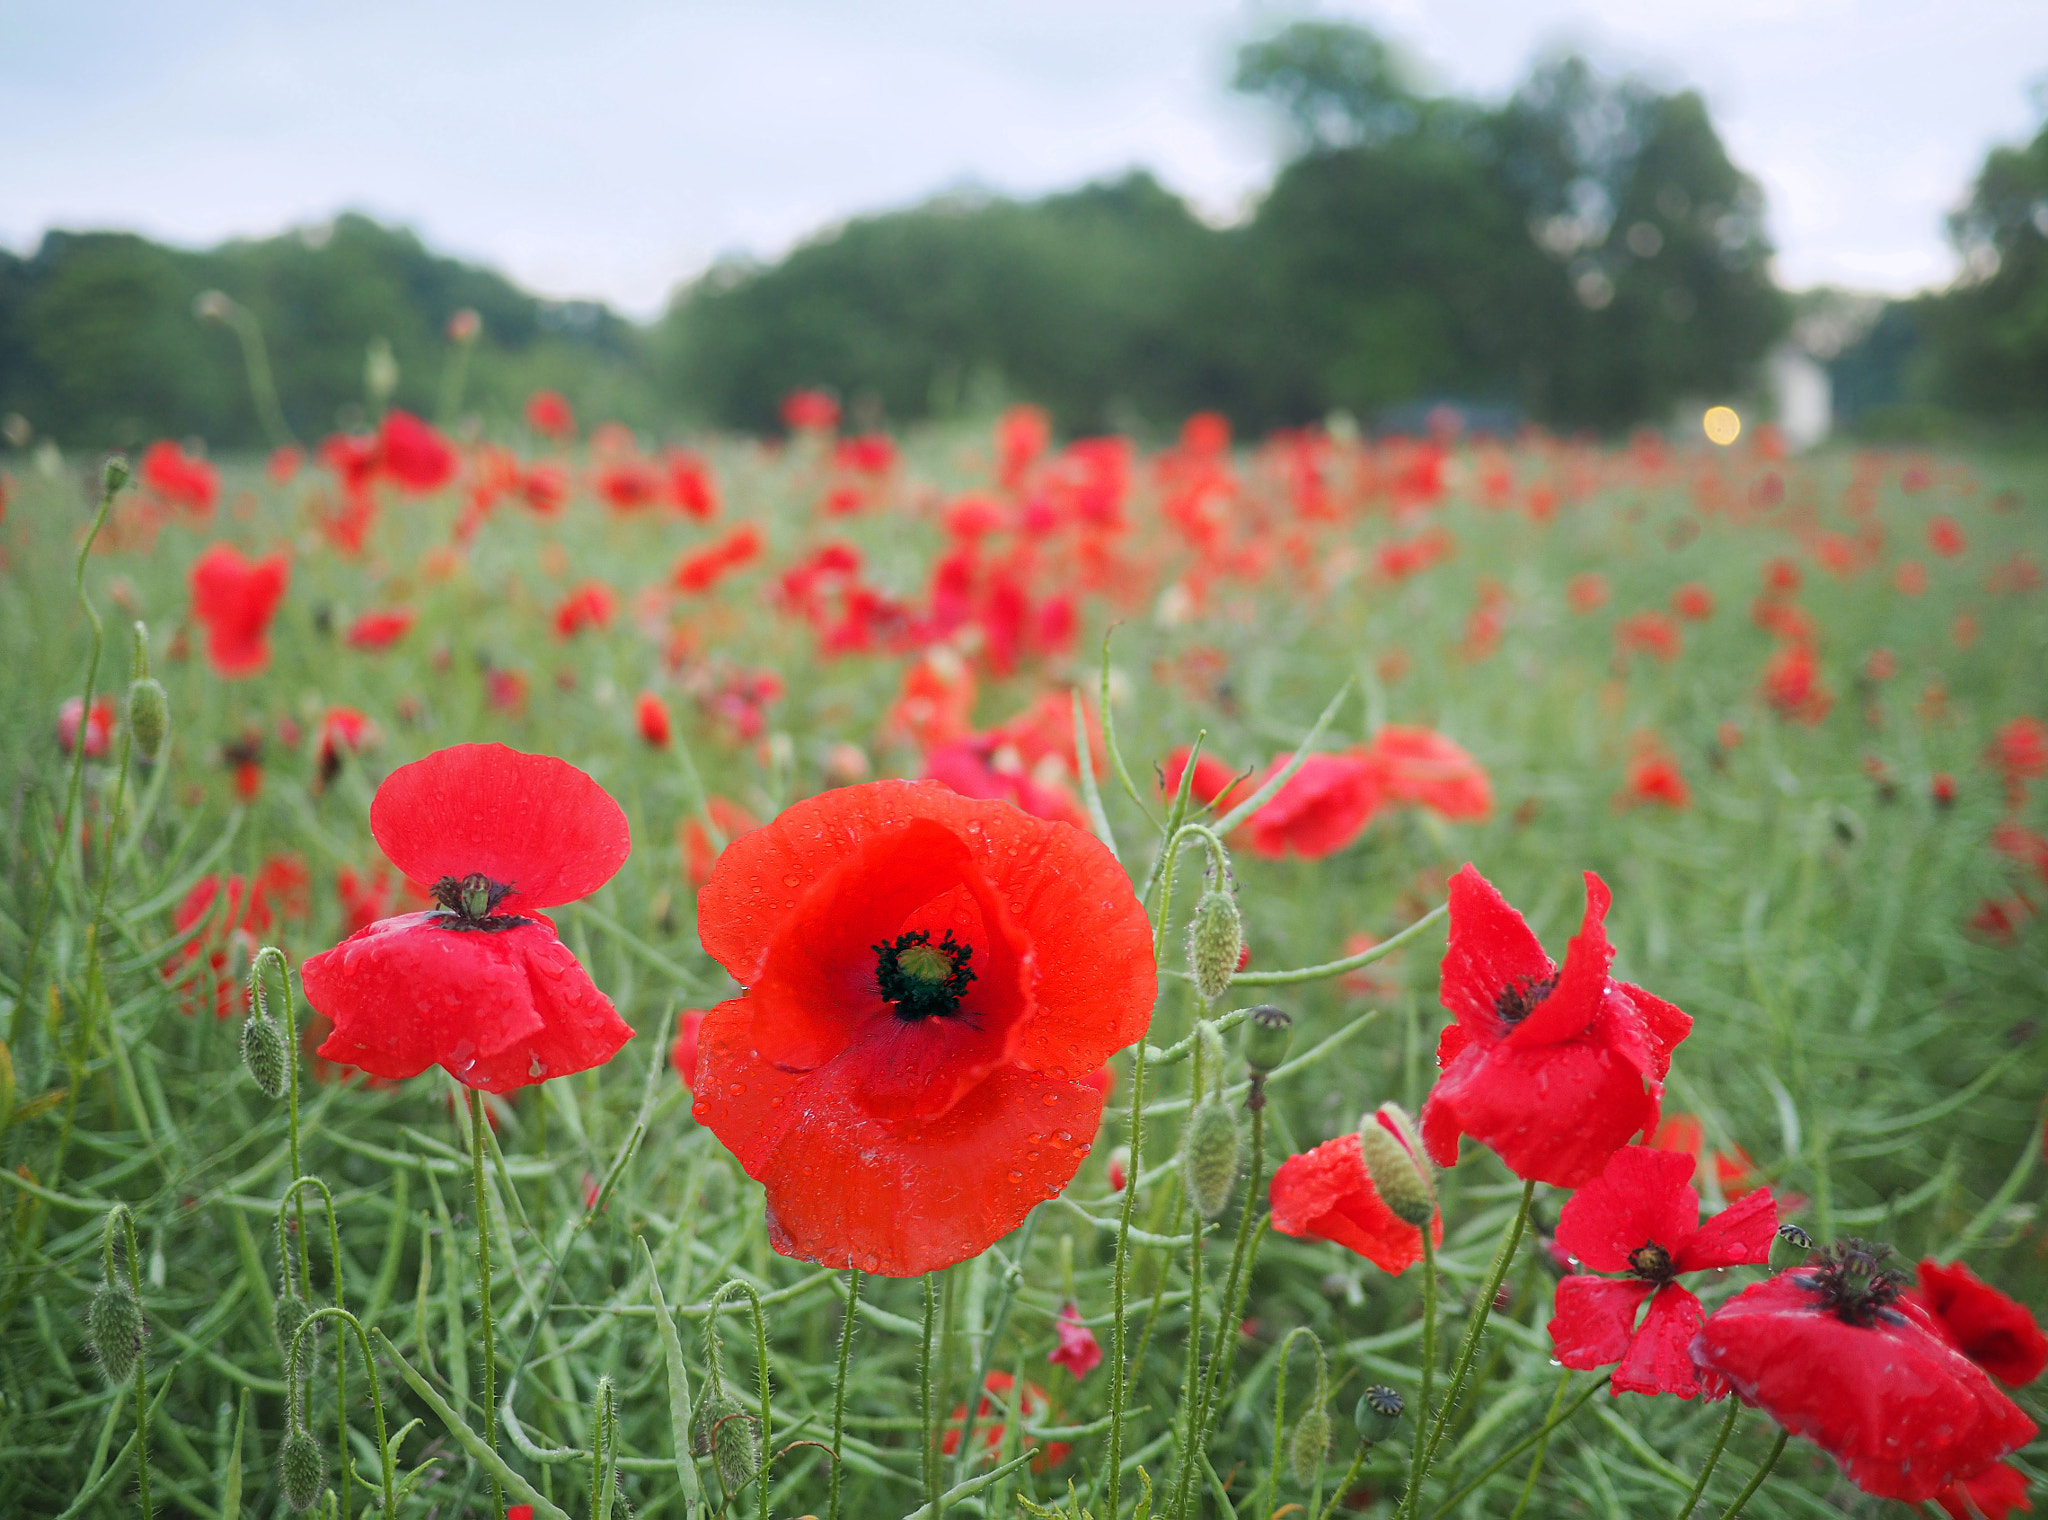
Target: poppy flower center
1651	1262
922	979
1519	998
471	903
1854	1284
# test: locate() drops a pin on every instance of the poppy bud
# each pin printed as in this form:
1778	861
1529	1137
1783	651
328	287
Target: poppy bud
1215	938
113	1324
1395	1161
1378	1414
1210	1152
149	716
713	1407
1310	1443
1267	1034
114	473
736	1448
301	1469
266	1054
286	1315
1790	1248
1210	1040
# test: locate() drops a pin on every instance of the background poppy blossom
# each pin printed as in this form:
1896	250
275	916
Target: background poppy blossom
236	598
930	981
481	986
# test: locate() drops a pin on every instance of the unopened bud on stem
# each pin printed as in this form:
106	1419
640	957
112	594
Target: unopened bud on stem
1215	940
266	1053
113	1324
1210	1153
301	1469
1397	1164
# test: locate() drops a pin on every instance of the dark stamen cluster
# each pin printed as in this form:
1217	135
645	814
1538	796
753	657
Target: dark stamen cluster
1519	998
923	980
1651	1262
471	903
1853	1282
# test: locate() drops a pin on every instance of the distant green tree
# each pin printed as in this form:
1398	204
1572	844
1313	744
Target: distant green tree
1990	331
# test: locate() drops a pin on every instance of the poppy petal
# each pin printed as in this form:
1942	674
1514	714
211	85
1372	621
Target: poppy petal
1491	950
1739	1236
1659	1359
1595	1319
1328	1194
533	822
1552	1113
1581	985
1642	1197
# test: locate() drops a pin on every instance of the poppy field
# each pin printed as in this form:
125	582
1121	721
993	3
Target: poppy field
546	973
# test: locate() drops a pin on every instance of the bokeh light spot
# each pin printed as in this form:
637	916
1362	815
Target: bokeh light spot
1722	425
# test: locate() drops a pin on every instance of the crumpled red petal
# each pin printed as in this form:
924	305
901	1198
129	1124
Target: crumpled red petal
1992	1495
1322	808
1594	1319
1641	1197
1327	1193
532	821
1659	1359
1739	1236
1581	985
1996	1332
495	1009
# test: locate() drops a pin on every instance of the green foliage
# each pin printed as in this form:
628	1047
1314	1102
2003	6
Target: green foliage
1990	332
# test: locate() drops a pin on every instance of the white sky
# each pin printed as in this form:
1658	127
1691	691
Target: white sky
613	148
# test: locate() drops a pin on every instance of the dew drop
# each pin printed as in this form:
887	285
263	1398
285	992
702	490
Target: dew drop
791	880
736	1089
1031	1155
1016	1176
1051	1099
1062	1136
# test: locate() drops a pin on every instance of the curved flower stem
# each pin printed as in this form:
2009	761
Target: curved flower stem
839	1387
1757	1481
292	1198
1426	1451
1280	1417
335	1311
1713	1457
929	1453
483	1279
271	956
1542	1439
1350	1477
735	1289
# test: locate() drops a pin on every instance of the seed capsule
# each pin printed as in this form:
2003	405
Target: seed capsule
302	1469
1267	1034
1210	1154
1378	1414
1790	1248
114	1325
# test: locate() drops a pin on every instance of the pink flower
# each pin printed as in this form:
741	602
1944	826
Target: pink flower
1078	1350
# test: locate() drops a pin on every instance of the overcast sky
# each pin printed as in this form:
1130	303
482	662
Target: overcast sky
612	148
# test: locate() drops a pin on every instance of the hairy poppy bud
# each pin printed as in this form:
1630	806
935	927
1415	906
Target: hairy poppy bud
266	1054
114	473
736	1447
1790	1247
149	716
1378	1414
113	1324
1215	938
301	1469
1267	1034
1210	1153
286	1315
1397	1164
713	1407
1209	1039
1310	1442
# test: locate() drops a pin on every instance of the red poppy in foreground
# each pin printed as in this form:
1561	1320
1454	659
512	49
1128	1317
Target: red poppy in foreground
481	986
1327	1193
236	598
1642	1216
1555	1069
1837	1354
930	981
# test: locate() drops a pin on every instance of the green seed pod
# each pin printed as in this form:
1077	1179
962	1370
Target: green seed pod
114	1326
149	716
114	473
1790	1248
302	1469
1378	1414
1209	1157
1267	1034
1397	1164
1215	940
1310	1443
736	1448
266	1054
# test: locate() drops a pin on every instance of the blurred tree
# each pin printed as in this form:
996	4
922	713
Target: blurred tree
1990	331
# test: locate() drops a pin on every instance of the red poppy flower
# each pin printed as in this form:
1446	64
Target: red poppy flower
221	952
413	455
342	731
683	1053
978	767
1587	591
1421	767
590	605
2019	753
172	475
1945	536
481	986
698	855
1323	807
1554	1069
99	727
1835	1353
380	630
1214	780
1654	777
1078	1351
690	485
1642	1216
1328	1194
1792	684
809	411
1992	1495
651	713
548	413
931	979
1998	1333
1693	601
704	569
236	598
991	1413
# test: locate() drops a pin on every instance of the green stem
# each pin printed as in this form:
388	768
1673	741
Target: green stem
1120	1374
1350	1477
1412	1497
1280	1416
141	1392
735	1289
1763	1472
929	1451
839	1386
335	1311
1191	1385
1713	1457
1470	1346
1540	1434
483	1262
